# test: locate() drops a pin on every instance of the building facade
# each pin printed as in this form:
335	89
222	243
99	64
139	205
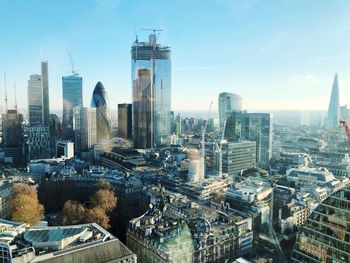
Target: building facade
334	104
72	92
228	102
85	130
35	101
125	121
151	84
45	89
39	142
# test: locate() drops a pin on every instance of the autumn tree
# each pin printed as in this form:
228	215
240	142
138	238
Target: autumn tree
73	213
24	205
104	184
97	215
104	199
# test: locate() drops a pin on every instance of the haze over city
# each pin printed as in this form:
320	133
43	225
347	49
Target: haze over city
275	54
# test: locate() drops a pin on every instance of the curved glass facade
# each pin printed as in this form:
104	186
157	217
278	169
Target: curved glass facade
228	102
325	236
99	101
151	84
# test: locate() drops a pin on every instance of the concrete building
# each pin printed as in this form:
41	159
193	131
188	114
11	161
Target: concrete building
238	156
65	149
125	121
196	166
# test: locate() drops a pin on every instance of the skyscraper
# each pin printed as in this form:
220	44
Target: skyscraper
151	84
333	108
35	100
85	129
72	92
125	120
45	90
103	122
39	142
228	102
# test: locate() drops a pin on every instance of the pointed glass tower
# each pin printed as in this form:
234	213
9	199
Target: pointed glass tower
333	108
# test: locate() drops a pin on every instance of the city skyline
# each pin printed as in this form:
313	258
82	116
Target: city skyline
255	38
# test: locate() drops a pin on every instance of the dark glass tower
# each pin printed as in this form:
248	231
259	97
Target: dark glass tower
103	122
45	88
151	84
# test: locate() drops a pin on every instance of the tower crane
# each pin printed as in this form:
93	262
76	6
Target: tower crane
219	148
203	137
346	128
74	70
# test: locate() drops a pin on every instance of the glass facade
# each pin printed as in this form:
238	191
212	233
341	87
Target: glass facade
45	87
325	237
228	102
151	81
35	101
333	108
72	91
85	130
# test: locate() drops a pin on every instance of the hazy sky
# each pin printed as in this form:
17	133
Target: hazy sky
276	54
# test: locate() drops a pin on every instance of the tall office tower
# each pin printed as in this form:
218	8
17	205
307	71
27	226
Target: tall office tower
103	121
333	108
35	101
45	90
324	236
72	91
125	120
12	136
238	156
39	142
255	127
55	129
151	84
85	130
228	102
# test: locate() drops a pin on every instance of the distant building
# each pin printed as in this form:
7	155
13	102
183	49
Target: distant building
333	108
151	85
12	136
238	156
78	243
39	142
85	130
196	166
125	121
228	102
72	92
255	127
5	195
65	149
100	102
55	129
35	101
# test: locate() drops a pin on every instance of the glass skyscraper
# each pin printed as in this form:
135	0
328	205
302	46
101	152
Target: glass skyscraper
72	91
228	102
35	101
45	88
333	108
151	84
325	236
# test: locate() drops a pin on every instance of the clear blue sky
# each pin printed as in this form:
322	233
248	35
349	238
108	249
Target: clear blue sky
277	54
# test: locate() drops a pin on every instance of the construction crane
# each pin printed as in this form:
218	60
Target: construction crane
219	148
5	83
74	70
203	137
347	129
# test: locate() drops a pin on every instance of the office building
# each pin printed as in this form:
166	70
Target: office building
5	195
255	127
85	130
12	136
125	121
238	156
64	149
333	108
151	85
100	102
196	166
325	235
39	142
45	90
227	103
55	129
35	101
72	92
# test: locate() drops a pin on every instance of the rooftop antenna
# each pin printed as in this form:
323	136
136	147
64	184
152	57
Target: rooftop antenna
74	70
154	30
137	37
5	92
41	52
14	86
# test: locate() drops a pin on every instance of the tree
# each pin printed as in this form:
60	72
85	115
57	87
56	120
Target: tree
104	199
98	216
24	205
73	213
104	184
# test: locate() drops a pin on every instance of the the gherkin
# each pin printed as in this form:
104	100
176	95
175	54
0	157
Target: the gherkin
103	122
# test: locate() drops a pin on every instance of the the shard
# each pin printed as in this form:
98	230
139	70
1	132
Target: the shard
99	101
333	108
